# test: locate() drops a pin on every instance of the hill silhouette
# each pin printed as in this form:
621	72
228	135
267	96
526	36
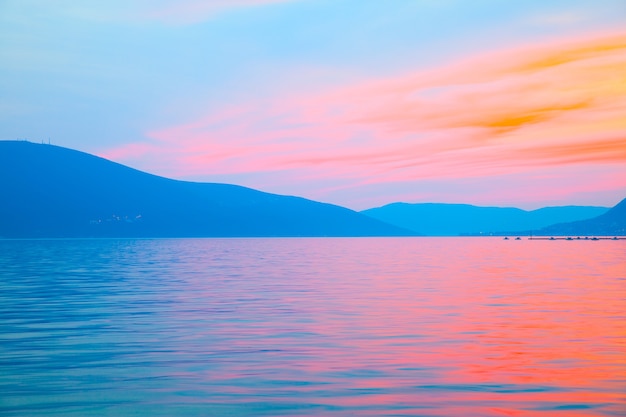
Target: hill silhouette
463	219
611	223
50	191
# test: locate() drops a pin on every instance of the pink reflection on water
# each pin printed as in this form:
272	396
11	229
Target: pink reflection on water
431	326
486	327
314	327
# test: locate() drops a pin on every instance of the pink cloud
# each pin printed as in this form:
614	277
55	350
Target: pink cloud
193	11
127	151
507	112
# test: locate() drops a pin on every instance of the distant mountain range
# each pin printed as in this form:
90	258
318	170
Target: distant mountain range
50	191
435	219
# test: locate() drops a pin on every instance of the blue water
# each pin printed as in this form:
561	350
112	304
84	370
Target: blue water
312	327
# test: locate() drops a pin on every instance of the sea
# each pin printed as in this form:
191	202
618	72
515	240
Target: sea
472	326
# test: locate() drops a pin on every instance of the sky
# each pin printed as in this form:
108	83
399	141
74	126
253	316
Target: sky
359	103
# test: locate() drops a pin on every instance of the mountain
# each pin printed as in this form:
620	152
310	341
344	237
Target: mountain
50	191
462	219
611	223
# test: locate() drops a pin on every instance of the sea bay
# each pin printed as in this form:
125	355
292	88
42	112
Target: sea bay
303	327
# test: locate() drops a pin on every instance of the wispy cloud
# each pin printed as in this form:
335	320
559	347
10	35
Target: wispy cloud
193	11
507	112
169	12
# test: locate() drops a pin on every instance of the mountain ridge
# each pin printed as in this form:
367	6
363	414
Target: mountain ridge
52	191
611	223
442	219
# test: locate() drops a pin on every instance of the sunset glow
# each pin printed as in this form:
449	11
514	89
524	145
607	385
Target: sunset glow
485	125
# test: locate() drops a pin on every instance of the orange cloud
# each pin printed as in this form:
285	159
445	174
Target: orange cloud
584	51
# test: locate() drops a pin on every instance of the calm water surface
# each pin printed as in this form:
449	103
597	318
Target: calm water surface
313	327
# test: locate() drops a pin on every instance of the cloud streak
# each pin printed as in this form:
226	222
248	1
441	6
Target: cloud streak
507	112
194	11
